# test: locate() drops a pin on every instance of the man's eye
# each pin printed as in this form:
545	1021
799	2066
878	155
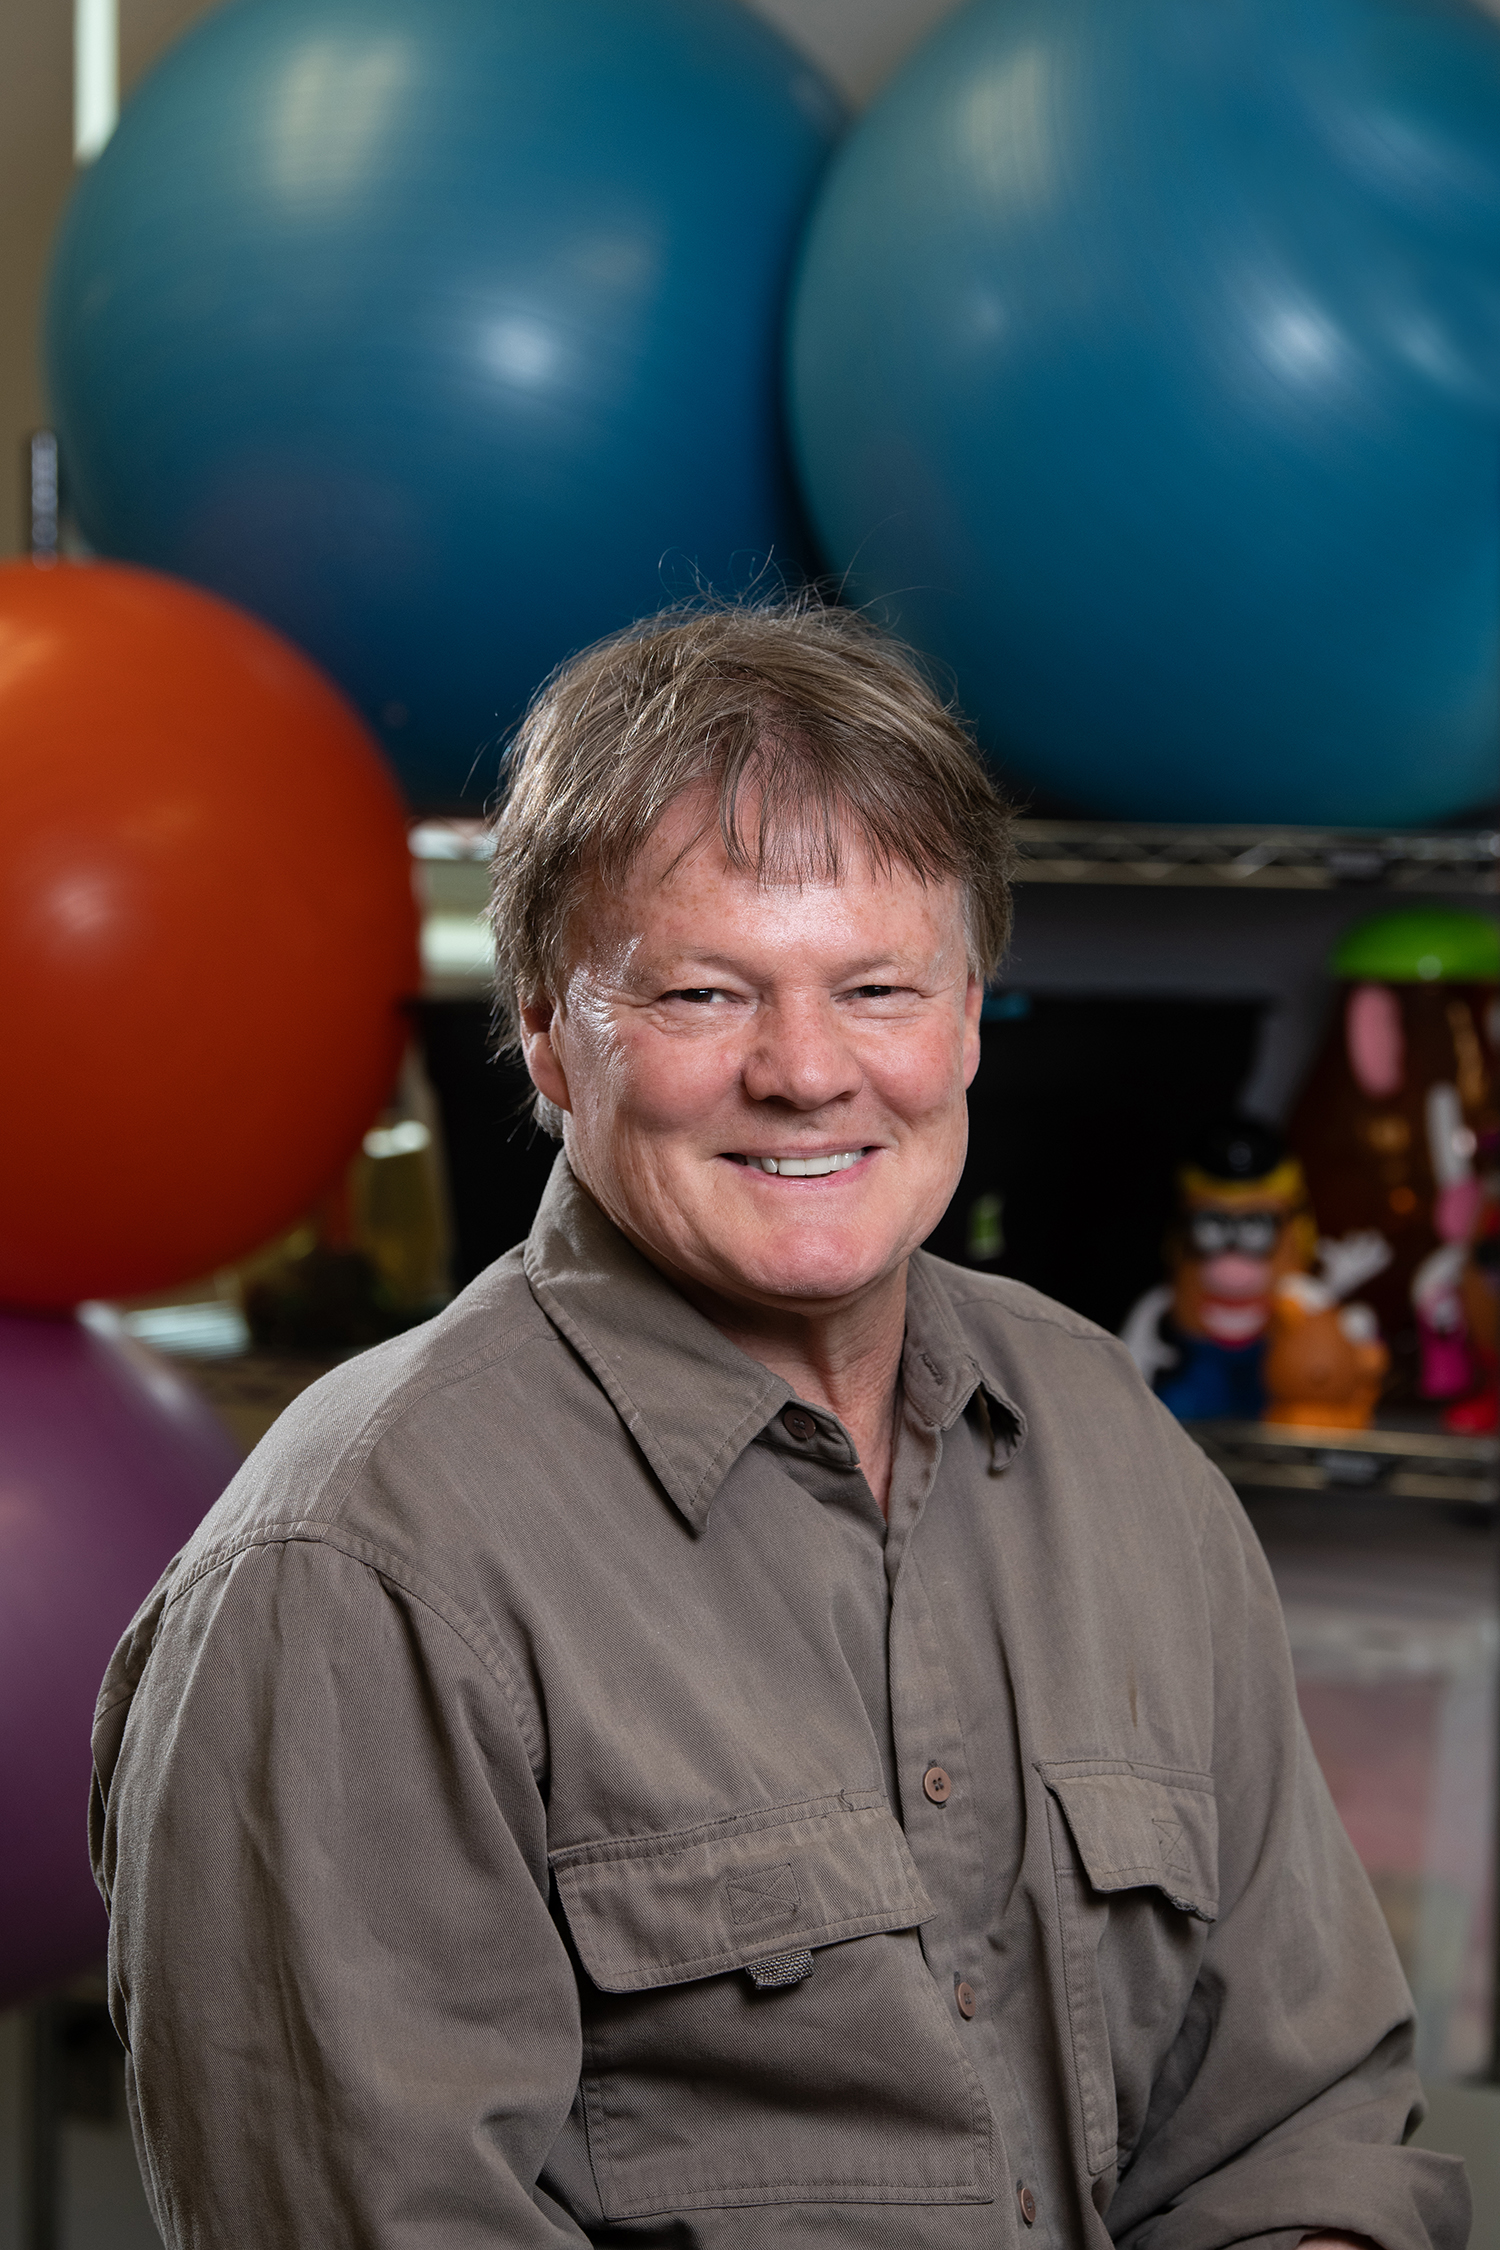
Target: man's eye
872	991
702	994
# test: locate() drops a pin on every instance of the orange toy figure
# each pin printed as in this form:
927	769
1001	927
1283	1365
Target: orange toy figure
1325	1363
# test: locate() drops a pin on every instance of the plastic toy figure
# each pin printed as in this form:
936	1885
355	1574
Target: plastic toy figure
1324	1363
1477	1412
1241	1247
1391	1118
1243	1223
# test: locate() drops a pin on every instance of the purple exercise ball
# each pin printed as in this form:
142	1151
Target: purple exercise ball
108	1459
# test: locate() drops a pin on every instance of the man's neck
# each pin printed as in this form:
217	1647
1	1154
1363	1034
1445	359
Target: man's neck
848	1360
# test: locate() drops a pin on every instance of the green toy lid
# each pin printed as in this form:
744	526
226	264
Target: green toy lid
1420	945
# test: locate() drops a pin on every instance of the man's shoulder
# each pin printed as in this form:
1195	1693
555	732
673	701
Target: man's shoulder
1075	1386
462	1352
993	1306
489	1361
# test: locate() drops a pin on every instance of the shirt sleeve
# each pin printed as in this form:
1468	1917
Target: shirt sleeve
1284	2102
348	2014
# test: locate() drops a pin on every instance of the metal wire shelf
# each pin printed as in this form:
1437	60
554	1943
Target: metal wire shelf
1384	1464
1122	852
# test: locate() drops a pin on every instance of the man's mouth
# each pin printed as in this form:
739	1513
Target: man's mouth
803	1167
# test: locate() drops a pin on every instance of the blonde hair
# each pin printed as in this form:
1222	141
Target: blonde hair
812	712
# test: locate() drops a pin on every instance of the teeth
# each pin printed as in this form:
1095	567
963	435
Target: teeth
806	1167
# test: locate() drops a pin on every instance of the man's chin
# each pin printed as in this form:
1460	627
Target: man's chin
807	1277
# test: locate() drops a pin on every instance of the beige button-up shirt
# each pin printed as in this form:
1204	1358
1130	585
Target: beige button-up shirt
546	1803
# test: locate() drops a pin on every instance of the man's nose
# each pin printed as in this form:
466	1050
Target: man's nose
800	1054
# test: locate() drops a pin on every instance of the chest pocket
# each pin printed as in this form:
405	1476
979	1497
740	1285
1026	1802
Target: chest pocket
1135	1858
705	2089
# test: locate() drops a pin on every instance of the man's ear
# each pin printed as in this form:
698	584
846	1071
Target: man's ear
973	1005
538	1017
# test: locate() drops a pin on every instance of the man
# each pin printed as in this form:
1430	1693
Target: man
738	1732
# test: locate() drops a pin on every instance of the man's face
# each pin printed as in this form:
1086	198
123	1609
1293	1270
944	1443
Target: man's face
715	1030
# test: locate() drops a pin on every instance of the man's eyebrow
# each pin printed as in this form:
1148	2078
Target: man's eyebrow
725	964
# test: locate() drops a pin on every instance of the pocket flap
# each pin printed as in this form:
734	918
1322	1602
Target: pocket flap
654	1910
1139	1825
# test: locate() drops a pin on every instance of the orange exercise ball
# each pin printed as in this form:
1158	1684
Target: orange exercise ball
206	932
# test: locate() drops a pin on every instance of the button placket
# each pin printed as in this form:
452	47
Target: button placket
947	1843
930	1757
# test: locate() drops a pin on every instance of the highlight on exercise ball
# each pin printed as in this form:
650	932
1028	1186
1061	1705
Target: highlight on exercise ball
1144	365
206	932
443	337
110	1461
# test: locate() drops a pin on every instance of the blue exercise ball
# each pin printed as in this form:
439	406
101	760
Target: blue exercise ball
1145	362
442	334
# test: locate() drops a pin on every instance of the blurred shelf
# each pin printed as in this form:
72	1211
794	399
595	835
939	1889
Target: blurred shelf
452	840
1204	856
1383	1464
1465	861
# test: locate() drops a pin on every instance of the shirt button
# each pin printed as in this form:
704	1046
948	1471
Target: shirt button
1027	2202
937	1786
799	1425
964	1995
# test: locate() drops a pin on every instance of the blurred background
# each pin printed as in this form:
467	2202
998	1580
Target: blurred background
1140	363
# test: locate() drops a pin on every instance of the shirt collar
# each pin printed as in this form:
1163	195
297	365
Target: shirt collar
943	1365
691	1400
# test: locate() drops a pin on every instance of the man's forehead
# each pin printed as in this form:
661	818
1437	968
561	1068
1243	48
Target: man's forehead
687	851
728	920
685	893
702	897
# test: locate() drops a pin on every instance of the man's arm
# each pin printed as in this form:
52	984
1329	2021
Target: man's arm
349	2015
1282	2106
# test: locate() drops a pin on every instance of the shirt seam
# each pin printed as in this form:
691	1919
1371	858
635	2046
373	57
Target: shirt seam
608	1850
1072	2003
1155	1875
384	1564
408	1399
1072	1324
1110	1769
874	1922
757	2194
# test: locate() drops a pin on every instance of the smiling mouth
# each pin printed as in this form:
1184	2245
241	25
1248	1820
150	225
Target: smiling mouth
803	1167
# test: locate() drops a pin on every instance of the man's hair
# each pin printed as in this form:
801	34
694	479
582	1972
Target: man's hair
809	714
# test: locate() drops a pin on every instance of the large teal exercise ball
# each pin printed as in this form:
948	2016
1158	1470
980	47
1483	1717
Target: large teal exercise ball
443	334
1145	367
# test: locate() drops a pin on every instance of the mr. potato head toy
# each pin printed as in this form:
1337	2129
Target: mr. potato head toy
1243	1223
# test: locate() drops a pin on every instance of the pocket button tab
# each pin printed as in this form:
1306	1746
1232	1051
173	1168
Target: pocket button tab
780	1969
